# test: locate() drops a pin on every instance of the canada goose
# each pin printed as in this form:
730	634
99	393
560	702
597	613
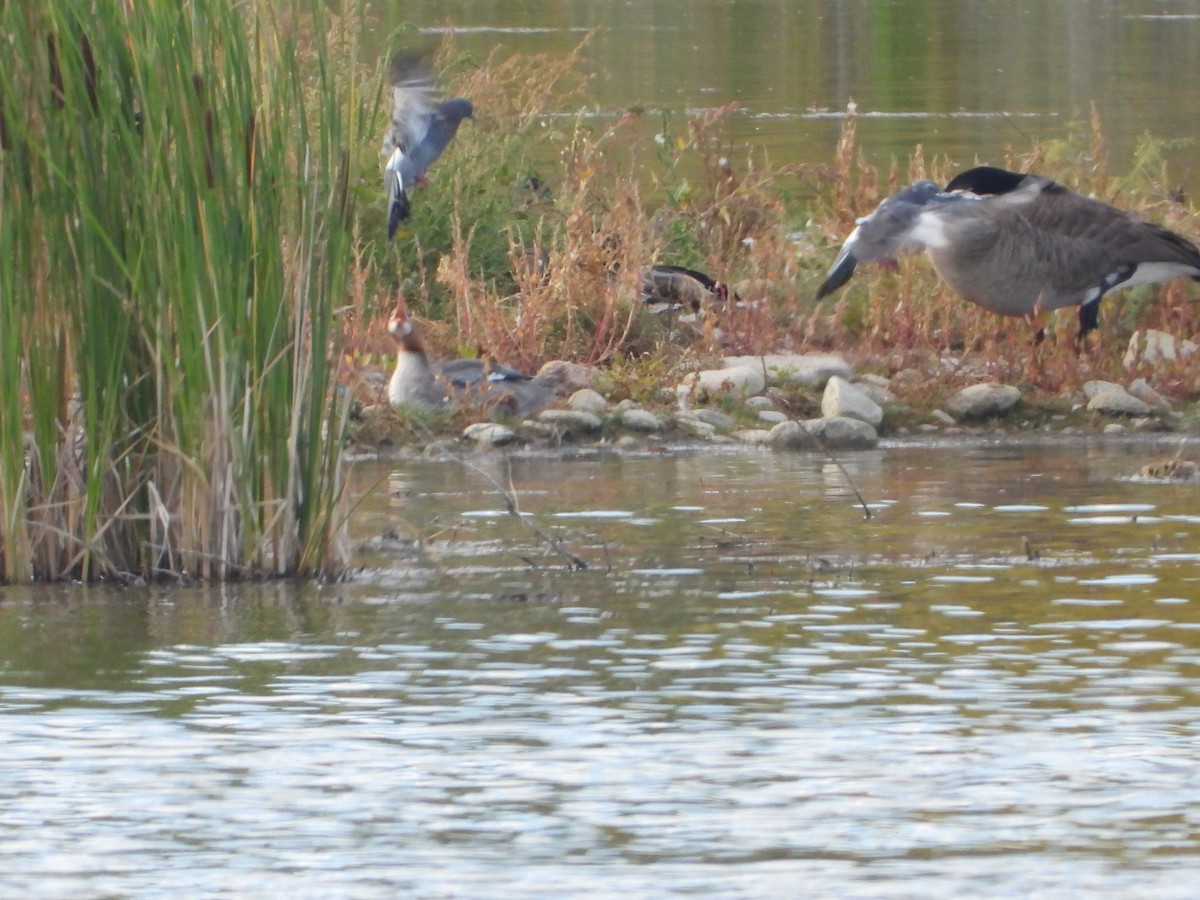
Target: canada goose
1018	244
419	131
419	382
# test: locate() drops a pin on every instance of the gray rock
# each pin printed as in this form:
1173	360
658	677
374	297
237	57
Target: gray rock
715	418
872	378
1114	428
571	421
490	434
979	401
741	381
1094	388
1116	403
641	420
789	435
753	436
588	400
940	416
841	398
760	402
1141	389
773	416
567	377
688	422
843	433
877	392
811	370
1150	425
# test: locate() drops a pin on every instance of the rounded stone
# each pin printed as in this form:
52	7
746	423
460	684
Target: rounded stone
980	401
588	400
641	420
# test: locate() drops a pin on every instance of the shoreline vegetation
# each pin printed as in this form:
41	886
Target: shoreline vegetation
197	279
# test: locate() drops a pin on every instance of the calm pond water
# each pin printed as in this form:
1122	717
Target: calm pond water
989	688
966	78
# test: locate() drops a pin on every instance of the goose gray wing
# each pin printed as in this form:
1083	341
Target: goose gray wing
1092	246
1154	252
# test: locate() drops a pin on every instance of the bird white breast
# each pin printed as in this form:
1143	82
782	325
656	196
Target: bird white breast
413	384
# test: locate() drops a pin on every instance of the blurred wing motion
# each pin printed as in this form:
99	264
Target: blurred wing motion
421	128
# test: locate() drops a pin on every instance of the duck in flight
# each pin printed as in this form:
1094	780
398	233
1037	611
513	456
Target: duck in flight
420	129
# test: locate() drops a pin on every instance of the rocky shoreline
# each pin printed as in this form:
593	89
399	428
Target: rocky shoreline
801	402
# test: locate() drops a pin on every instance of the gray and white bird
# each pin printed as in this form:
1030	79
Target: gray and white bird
419	382
420	130
1018	244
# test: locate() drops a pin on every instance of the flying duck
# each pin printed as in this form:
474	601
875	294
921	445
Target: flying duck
419	131
1018	244
421	383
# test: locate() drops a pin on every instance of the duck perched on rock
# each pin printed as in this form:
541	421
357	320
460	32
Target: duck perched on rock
419	131
421	383
1018	244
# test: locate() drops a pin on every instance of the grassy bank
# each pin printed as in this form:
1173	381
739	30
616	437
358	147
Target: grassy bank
599	199
175	220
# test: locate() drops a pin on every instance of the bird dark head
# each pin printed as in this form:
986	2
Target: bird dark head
457	109
986	181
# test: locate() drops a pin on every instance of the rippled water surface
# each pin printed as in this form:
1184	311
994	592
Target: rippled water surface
966	79
989	688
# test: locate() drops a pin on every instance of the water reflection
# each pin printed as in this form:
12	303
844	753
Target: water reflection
965	79
907	706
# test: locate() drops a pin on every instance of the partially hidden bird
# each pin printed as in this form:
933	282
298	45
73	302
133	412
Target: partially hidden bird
420	129
676	285
419	382
1017	244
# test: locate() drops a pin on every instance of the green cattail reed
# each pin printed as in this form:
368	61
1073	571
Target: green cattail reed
175	221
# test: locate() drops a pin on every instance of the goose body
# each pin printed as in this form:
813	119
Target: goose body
1019	244
419	131
419	382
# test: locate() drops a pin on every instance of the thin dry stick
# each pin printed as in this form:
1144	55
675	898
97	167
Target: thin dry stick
510	502
850	481
829	453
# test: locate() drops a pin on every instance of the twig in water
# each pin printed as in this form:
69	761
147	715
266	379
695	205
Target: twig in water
825	449
837	462
510	501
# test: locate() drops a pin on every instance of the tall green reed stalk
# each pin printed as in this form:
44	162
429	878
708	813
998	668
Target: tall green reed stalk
175	225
